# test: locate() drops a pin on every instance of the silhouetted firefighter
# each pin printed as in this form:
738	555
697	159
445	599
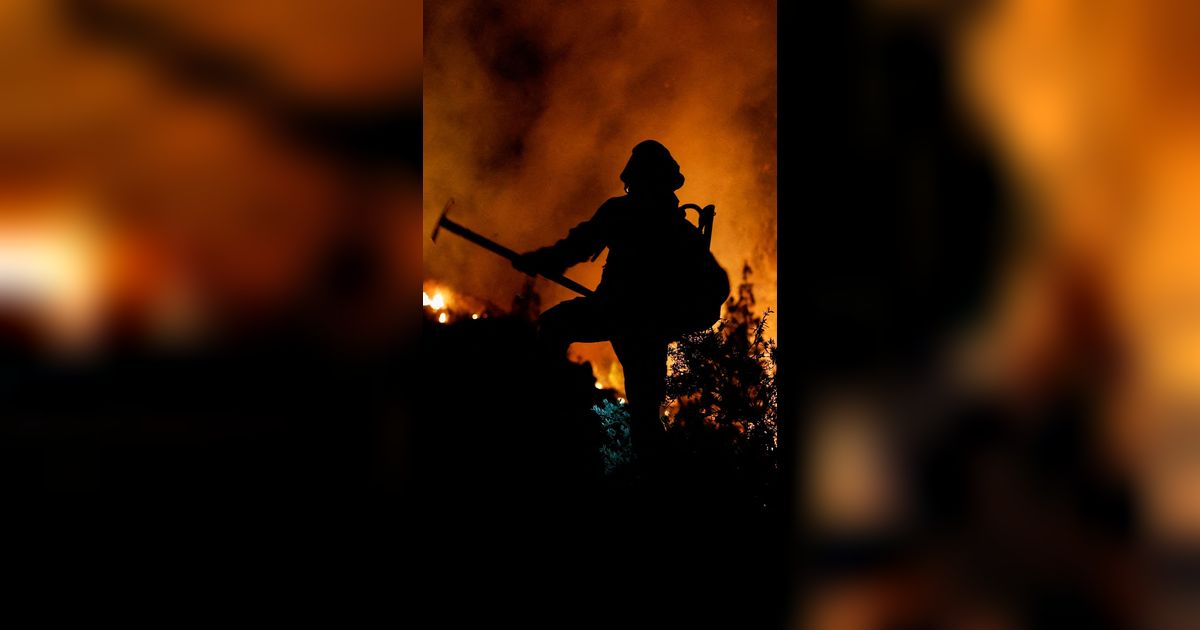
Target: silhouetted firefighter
659	282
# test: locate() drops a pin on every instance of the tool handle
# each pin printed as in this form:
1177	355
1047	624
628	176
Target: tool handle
568	283
511	255
481	241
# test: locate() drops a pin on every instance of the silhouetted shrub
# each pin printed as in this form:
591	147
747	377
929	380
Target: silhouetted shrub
615	449
721	394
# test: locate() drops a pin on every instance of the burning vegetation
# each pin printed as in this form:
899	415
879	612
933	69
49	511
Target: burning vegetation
445	306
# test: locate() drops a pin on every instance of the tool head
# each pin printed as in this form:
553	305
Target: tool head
438	226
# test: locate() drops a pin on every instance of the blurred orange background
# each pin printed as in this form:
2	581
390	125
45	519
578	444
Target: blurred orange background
174	172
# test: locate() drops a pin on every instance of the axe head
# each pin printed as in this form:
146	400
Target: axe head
438	226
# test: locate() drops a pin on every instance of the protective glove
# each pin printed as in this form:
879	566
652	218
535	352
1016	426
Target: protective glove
528	263
535	262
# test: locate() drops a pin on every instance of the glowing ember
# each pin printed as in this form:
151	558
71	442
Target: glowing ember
446	304
599	385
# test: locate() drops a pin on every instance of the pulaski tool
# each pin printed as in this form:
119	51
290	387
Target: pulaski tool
444	223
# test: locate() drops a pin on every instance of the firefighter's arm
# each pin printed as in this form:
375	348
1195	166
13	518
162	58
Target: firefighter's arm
583	242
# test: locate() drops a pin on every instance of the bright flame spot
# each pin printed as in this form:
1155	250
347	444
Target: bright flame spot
442	318
425	301
438	302
474	315
599	385
620	400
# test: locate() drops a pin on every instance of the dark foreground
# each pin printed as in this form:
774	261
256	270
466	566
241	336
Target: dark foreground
465	488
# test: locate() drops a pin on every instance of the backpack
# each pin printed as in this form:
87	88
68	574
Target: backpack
705	283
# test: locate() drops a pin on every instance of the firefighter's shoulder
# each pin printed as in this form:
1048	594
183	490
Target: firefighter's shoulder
613	205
